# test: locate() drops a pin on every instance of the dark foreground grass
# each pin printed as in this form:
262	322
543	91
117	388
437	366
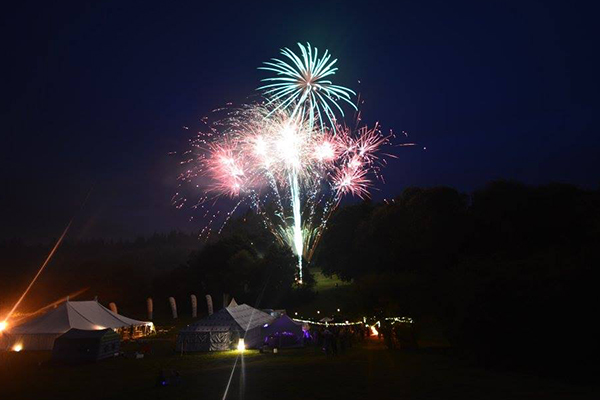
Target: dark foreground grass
364	372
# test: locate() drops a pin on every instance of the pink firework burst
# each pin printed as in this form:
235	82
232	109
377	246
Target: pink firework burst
226	169
264	156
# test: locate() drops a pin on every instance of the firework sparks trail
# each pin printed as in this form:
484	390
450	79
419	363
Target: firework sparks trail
297	229
282	158
281	161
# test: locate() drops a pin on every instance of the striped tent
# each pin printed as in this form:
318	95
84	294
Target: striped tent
221	330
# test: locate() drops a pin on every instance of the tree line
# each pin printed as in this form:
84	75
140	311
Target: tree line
508	272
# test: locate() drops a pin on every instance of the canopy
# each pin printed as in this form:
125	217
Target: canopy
86	315
283	332
220	330
239	318
39	333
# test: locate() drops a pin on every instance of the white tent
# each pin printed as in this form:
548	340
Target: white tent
39	333
221	330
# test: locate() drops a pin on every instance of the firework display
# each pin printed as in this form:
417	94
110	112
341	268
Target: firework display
283	158
300	85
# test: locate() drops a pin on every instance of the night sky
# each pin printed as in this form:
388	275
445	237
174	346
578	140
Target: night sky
97	95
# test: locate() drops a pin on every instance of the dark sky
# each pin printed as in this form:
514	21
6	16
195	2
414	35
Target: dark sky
99	94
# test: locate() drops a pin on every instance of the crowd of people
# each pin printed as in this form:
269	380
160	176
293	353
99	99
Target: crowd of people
398	335
335	339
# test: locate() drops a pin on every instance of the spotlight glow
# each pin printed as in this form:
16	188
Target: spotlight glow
241	346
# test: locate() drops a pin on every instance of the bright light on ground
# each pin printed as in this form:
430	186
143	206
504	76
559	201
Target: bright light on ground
3	325
241	346
17	347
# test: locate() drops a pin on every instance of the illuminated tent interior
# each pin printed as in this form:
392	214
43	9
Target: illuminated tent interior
283	332
40	333
221	330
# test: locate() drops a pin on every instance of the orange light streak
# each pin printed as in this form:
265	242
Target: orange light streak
56	245
24	317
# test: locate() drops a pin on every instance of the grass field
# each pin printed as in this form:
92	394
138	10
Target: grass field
367	371
364	372
332	293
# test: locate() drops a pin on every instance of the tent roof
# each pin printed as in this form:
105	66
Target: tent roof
239	318
285	320
81	334
85	315
249	317
281	324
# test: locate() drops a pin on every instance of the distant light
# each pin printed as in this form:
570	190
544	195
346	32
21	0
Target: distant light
347	322
374	331
265	325
17	347
318	312
338	310
3	325
295	313
241	346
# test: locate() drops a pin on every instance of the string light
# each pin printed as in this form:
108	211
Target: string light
306	321
404	320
